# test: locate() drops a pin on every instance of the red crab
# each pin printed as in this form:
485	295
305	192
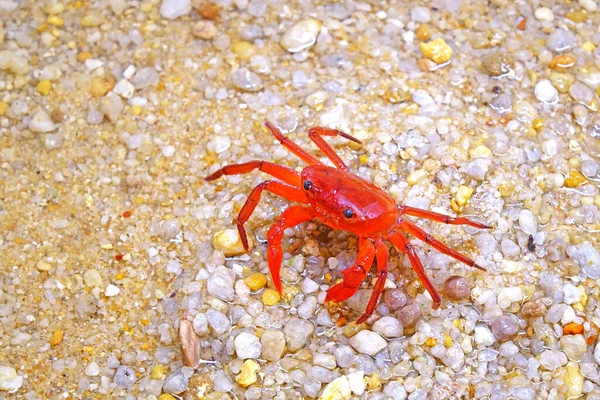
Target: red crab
341	200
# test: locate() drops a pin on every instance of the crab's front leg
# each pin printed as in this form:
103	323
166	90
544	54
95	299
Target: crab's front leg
381	254
291	217
353	276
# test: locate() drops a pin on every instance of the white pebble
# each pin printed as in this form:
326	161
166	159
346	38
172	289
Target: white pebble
388	327
124	88
301	36
111	290
93	63
41	122
544	14
9	380
420	14
368	342
92	369
357	382
483	336
172	9
527	222
247	346
545	92
309	286
572	294
508	296
168	151
589	5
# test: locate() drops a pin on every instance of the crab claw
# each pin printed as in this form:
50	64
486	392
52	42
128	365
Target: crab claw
339	293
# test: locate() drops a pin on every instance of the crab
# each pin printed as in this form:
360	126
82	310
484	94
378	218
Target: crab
341	200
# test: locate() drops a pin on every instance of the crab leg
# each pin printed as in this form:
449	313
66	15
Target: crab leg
446	219
316	133
354	275
282	189
405	247
381	253
292	216
278	171
291	146
414	230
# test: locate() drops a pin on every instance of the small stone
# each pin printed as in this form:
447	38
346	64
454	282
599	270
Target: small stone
12	62
200	324
416	176
272	344
505	328
220	284
41	122
208	10
454	358
589	5
409	315
509	248
229	242
256	281
420	14
498	63
572	294
246	80
395	390
457	288
301	36
463	194
92	18
172	9
388	327
112	290
562	81
338	389
43	266
483	336
145	77
44	87
247	345
560	41
527	222
111	106
587	257
545	92
574	346
247	375
124	377
297	332
574	380
57	337
309	286
357	382
92	369
581	93
436	50
552	359
507	296
204	29
544	14
124	88
368	342
9	380
218	321
395	298
533	309
175	383
117	6
562	62
190	343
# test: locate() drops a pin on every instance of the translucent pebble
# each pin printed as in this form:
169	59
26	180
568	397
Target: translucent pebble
368	342
220	284
247	345
41	122
409	315
552	359
172	9
251	32
395	298
545	92
200	324
272	344
111	106
302	35
420	14
145	77
457	287
560	40
589	168
324	360
574	346
221	382
509	248
169	229
217	321
299	79
527	222
587	257
297	332
307	309
260	64
244	79
285	118
323	375
388	327
344	355
176	382
94	117
257	8
504	328
483	336
124	377
581	93
454	358
486	243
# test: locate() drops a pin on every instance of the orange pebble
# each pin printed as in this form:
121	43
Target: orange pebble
563	62
573	328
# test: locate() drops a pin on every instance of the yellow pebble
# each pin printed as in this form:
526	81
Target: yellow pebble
229	242
270	297
437	50
575	179
338	389
431	342
3	107
480	151
573	380
448	342
374	382
159	372
166	396
256	281
57	337
44	87
146	7
54	20
423	32
364	159
44	266
244	50
596	199
537	124
463	195
588	46
416	176
84	55
247	375
98	87
136	110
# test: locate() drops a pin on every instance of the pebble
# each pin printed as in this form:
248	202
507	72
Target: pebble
247	345
487	244
172	9
561	40
92	369
111	106
200	324
457	287
12	62
324	360
357	382
572	294
368	342
504	328
246	80
454	358
301	36
545	92
112	290
9	380
124	88
552	359
436	50
581	93
483	336
544	14
395	390
420	14
220	284
507	296
338	389
297	332
533	309
41	122
498	63
248	374
272	344
204	29
309	286
509	248
395	298
307	309
145	77
587	257
574	346
190	343
388	327
124	377
409	315
217	321
176	382
589	5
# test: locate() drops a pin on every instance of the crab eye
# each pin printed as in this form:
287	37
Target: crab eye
307	185
348	213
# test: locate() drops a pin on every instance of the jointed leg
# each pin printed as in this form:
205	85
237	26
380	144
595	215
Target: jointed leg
292	216
405	247
354	275
414	230
291	146
315	135
278	171
282	189
381	253
446	219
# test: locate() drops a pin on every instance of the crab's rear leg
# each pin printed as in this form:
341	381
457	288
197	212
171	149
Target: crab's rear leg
278	171
282	189
316	133
353	276
291	217
381	254
403	245
446	219
291	146
419	233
